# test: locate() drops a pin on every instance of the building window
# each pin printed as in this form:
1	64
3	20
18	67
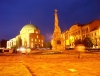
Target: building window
39	45
35	40
91	35
99	39
36	45
87	30
32	45
37	36
36	31
61	35
39	40
32	39
29	31
95	33
78	32
42	45
42	40
83	31
12	43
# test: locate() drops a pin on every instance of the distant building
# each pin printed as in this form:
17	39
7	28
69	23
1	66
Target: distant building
3	43
29	37
81	31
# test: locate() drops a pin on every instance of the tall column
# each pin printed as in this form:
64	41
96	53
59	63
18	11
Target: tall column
56	26
57	31
57	35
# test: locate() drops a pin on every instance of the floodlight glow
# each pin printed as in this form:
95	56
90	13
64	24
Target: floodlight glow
22	49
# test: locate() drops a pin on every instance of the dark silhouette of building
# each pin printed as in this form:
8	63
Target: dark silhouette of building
3	43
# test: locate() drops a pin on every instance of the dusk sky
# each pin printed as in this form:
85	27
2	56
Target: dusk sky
14	14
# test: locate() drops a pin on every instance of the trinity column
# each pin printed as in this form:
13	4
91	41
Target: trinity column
57	42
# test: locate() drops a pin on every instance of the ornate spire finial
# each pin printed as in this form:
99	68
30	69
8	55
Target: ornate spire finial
55	10
76	22
30	22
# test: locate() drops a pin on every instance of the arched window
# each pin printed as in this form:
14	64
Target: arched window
87	30
58	42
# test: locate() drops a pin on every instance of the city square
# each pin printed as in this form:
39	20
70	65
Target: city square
39	64
49	38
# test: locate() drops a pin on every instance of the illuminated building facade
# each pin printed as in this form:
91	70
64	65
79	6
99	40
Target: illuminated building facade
81	31
57	41
29	37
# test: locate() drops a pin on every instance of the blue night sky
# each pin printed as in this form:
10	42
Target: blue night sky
14	14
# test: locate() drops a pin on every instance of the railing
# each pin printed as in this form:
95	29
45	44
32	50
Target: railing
93	50
87	49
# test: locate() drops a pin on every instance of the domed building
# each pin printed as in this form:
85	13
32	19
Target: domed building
29	37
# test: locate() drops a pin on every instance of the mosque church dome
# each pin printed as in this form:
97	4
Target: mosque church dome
28	27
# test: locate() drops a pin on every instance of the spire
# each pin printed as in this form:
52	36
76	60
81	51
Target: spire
30	22
55	10
56	19
56	26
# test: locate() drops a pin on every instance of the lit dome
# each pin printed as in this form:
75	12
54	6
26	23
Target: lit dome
29	27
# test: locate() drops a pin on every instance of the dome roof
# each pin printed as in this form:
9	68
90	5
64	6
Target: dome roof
29	27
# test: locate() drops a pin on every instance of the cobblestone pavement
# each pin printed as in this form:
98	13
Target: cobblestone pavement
11	65
66	64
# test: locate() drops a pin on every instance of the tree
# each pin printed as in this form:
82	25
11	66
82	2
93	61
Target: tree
48	45
78	41
87	42
14	47
18	42
3	43
94	41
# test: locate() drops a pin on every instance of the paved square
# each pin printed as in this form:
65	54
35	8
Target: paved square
66	64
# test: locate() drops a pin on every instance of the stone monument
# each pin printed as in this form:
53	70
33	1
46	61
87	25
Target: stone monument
57	42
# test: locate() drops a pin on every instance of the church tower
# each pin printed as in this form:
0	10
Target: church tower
57	42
